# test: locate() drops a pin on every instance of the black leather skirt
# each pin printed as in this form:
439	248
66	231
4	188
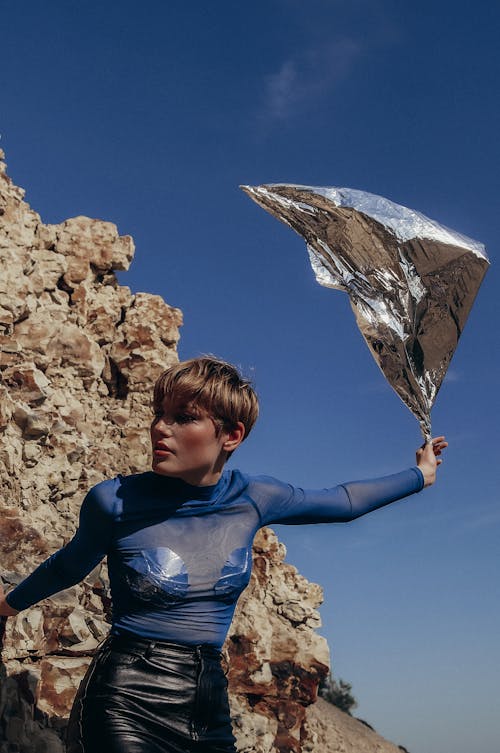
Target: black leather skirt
142	696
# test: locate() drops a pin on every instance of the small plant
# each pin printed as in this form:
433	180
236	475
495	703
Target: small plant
337	692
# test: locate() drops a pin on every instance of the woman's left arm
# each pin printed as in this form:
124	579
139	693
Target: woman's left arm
292	505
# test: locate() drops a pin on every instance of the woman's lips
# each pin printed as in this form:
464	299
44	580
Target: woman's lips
160	451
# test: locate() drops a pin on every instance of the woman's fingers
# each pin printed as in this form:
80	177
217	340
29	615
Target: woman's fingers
438	448
438	444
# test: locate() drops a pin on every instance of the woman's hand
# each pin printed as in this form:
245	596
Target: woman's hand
5	609
428	458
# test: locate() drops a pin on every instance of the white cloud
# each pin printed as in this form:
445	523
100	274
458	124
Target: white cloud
282	90
308	76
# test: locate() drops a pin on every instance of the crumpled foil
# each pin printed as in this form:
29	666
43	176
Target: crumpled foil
411	282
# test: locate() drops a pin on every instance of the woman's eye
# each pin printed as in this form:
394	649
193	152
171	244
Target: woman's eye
177	418
185	418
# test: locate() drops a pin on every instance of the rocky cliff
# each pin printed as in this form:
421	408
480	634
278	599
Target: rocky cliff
79	356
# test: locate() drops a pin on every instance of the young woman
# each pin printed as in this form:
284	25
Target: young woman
178	544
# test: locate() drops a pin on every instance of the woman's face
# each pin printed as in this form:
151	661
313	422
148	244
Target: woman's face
186	445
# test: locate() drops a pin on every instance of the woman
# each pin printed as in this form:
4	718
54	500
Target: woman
178	544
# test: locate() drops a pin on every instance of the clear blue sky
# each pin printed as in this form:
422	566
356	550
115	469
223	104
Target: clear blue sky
150	115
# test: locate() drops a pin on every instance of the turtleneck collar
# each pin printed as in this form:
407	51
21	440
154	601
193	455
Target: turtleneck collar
191	492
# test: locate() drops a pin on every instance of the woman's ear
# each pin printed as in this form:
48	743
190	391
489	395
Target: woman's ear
234	437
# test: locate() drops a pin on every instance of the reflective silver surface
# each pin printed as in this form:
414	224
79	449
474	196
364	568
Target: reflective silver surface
411	282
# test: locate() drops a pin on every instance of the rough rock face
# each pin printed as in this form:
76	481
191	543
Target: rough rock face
276	660
79	356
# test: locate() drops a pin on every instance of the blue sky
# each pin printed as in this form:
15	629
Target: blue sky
150	115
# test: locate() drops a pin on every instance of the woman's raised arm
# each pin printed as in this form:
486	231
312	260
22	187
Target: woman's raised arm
282	503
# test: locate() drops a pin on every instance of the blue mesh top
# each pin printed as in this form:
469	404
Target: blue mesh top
180	555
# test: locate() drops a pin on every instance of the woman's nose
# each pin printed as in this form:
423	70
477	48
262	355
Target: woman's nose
164	425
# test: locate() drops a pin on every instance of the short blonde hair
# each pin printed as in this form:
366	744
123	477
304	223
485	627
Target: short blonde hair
216	386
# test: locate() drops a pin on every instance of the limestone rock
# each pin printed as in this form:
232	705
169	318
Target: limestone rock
92	246
275	663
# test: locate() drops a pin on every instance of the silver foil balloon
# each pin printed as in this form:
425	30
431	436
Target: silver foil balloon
411	281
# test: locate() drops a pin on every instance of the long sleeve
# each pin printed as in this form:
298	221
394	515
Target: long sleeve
281	503
74	561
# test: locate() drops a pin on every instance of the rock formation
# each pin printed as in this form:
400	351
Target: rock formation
79	356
